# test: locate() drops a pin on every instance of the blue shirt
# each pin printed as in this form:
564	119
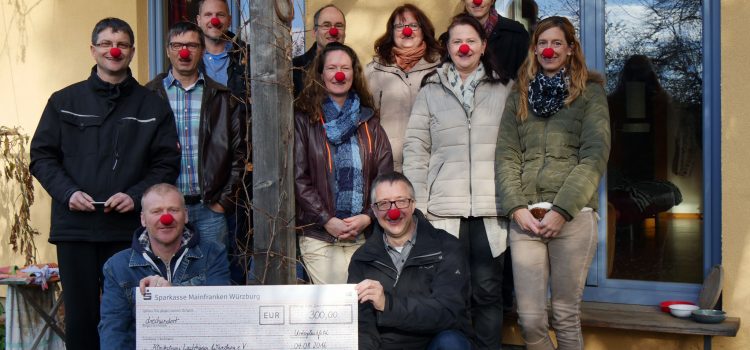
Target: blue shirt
186	105
216	65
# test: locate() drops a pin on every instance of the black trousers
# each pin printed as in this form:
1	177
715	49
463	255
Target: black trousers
81	276
486	284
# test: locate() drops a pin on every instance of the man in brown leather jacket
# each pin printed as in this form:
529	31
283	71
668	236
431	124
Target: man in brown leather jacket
210	130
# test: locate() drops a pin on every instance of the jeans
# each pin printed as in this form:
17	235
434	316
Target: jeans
210	225
328	263
562	263
450	340
486	284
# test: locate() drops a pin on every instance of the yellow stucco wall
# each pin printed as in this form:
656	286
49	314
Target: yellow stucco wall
735	180
44	46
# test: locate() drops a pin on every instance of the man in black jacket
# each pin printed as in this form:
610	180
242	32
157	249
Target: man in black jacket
210	130
99	144
413	279
329	25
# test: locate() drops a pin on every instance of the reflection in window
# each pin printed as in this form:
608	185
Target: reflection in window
654	80
529	12
181	10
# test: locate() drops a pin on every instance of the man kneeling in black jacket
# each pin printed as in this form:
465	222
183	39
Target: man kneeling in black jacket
413	279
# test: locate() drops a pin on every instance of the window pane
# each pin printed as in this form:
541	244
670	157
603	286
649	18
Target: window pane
181	10
654	81
529	12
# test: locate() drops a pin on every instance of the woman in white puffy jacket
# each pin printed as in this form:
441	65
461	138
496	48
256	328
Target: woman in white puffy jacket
449	156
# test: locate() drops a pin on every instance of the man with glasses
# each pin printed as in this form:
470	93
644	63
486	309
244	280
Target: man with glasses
329	26
210	131
412	279
99	144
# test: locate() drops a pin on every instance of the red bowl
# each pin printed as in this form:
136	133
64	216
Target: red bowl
665	304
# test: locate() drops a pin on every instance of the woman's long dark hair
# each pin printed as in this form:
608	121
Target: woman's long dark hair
492	73
314	93
385	44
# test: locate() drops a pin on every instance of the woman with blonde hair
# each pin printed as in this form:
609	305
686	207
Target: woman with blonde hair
551	153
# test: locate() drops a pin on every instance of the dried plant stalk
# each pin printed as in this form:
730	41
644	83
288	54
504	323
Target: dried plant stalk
16	172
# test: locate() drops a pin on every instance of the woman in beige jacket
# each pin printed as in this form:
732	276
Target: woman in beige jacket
449	156
404	55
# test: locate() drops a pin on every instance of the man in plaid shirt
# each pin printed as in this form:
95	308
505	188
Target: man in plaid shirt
210	131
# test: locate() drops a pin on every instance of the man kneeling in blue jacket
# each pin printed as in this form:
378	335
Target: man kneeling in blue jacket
413	279
164	253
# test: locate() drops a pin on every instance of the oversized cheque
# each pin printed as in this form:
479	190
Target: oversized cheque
247	317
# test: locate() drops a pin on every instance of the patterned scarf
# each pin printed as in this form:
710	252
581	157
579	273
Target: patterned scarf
341	131
464	89
489	26
406	59
547	94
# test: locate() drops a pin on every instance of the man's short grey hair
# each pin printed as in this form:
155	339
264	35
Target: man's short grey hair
391	178
317	14
162	189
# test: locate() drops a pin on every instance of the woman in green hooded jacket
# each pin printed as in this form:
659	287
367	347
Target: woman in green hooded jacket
552	150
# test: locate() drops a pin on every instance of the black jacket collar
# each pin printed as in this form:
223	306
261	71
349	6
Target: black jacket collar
110	91
305	59
428	241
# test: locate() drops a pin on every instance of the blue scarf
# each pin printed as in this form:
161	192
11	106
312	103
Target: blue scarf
341	130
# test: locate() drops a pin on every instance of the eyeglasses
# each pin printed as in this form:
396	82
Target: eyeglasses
174	46
399	26
399	203
327	26
108	45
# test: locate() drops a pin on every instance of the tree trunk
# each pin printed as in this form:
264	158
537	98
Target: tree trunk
272	141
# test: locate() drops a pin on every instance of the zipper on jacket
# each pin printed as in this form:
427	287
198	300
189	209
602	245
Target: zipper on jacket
471	195
392	269
468	123
117	141
380	101
544	162
169	270
427	255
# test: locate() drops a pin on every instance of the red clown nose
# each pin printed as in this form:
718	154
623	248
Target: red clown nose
548	52
166	219
464	49
334	32
215	22
394	214
184	53
115	52
477	2
407	31
339	76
